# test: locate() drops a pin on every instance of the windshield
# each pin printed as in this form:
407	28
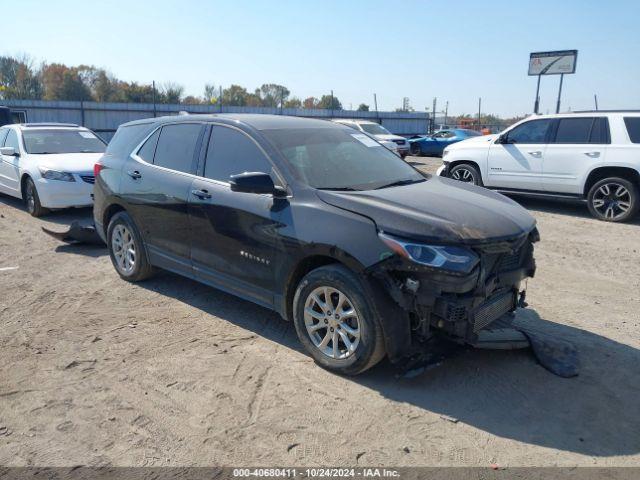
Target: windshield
339	159
62	141
374	129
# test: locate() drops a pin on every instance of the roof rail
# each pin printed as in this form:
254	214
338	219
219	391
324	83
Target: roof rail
50	124
605	111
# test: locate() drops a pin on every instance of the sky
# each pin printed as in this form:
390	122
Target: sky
454	51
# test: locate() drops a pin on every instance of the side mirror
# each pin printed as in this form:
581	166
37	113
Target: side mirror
255	182
9	152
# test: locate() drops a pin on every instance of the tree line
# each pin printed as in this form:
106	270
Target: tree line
20	78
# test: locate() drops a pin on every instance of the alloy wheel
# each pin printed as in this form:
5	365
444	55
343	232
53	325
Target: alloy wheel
611	200
124	249
31	198
332	322
463	175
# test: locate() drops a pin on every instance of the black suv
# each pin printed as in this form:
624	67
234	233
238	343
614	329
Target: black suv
364	253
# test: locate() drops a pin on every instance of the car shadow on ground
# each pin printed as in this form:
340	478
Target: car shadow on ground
62	217
504	393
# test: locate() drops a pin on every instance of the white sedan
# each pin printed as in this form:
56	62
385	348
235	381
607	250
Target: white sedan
49	165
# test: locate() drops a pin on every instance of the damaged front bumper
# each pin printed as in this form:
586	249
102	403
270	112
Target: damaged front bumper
462	307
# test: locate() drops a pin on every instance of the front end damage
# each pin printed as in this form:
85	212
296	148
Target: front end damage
466	308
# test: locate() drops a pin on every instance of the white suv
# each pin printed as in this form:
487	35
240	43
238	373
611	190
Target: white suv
591	156
49	165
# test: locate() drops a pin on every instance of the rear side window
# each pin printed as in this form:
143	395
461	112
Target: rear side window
582	130
231	152
534	131
126	139
149	148
12	140
176	147
633	127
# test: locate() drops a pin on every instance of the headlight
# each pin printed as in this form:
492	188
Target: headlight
453	259
56	175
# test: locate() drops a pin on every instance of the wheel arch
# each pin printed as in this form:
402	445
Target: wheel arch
108	214
599	173
23	181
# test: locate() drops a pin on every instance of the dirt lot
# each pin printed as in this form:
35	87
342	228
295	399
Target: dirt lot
96	371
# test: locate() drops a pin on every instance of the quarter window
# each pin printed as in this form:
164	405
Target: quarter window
231	152
149	148
3	135
633	127
176	147
534	131
12	140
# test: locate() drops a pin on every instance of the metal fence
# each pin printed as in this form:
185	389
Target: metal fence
104	118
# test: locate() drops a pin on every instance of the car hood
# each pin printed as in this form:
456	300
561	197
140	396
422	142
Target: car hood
389	137
476	141
438	210
67	162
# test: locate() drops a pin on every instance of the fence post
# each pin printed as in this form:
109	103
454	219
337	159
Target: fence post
82	112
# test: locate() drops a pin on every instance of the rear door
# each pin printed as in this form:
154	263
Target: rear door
234	242
577	145
156	184
10	166
517	164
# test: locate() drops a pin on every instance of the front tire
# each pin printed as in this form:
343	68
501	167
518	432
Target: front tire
613	199
416	150
127	250
467	173
336	323
32	199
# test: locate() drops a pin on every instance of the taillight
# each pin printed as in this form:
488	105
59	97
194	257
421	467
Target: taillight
97	168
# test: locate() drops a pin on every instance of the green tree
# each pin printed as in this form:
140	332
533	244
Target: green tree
171	92
273	95
235	95
363	107
18	78
293	102
310	102
210	93
329	102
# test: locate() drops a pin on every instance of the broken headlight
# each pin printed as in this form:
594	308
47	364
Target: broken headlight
454	259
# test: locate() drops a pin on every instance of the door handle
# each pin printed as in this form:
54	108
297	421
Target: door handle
536	153
135	174
592	154
201	194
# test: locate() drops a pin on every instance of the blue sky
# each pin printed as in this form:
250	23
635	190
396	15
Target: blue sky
455	51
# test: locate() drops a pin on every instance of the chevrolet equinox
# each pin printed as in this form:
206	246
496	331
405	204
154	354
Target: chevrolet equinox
365	254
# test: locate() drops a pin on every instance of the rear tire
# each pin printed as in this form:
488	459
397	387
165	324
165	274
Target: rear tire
32	199
415	150
467	173
613	199
336	322
126	249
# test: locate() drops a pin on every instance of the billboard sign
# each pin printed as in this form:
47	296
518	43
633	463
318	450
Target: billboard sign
553	63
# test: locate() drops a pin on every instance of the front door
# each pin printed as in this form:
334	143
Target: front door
234	234
10	166
578	145
517	162
156	186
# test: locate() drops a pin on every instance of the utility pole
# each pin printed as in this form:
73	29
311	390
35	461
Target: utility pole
153	95
595	99
375	103
479	110
536	105
331	103
220	100
559	93
433	120
446	112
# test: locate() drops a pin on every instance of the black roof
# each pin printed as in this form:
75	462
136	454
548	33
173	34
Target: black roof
255	120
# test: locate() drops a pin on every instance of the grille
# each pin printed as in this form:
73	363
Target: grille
88	178
510	261
493	309
456	313
399	142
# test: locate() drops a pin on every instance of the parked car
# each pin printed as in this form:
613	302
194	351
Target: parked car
364	253
586	156
48	165
435	144
5	116
378	132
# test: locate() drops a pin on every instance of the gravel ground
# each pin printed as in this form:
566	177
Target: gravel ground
96	371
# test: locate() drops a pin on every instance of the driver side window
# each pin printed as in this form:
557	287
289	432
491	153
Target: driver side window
534	131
